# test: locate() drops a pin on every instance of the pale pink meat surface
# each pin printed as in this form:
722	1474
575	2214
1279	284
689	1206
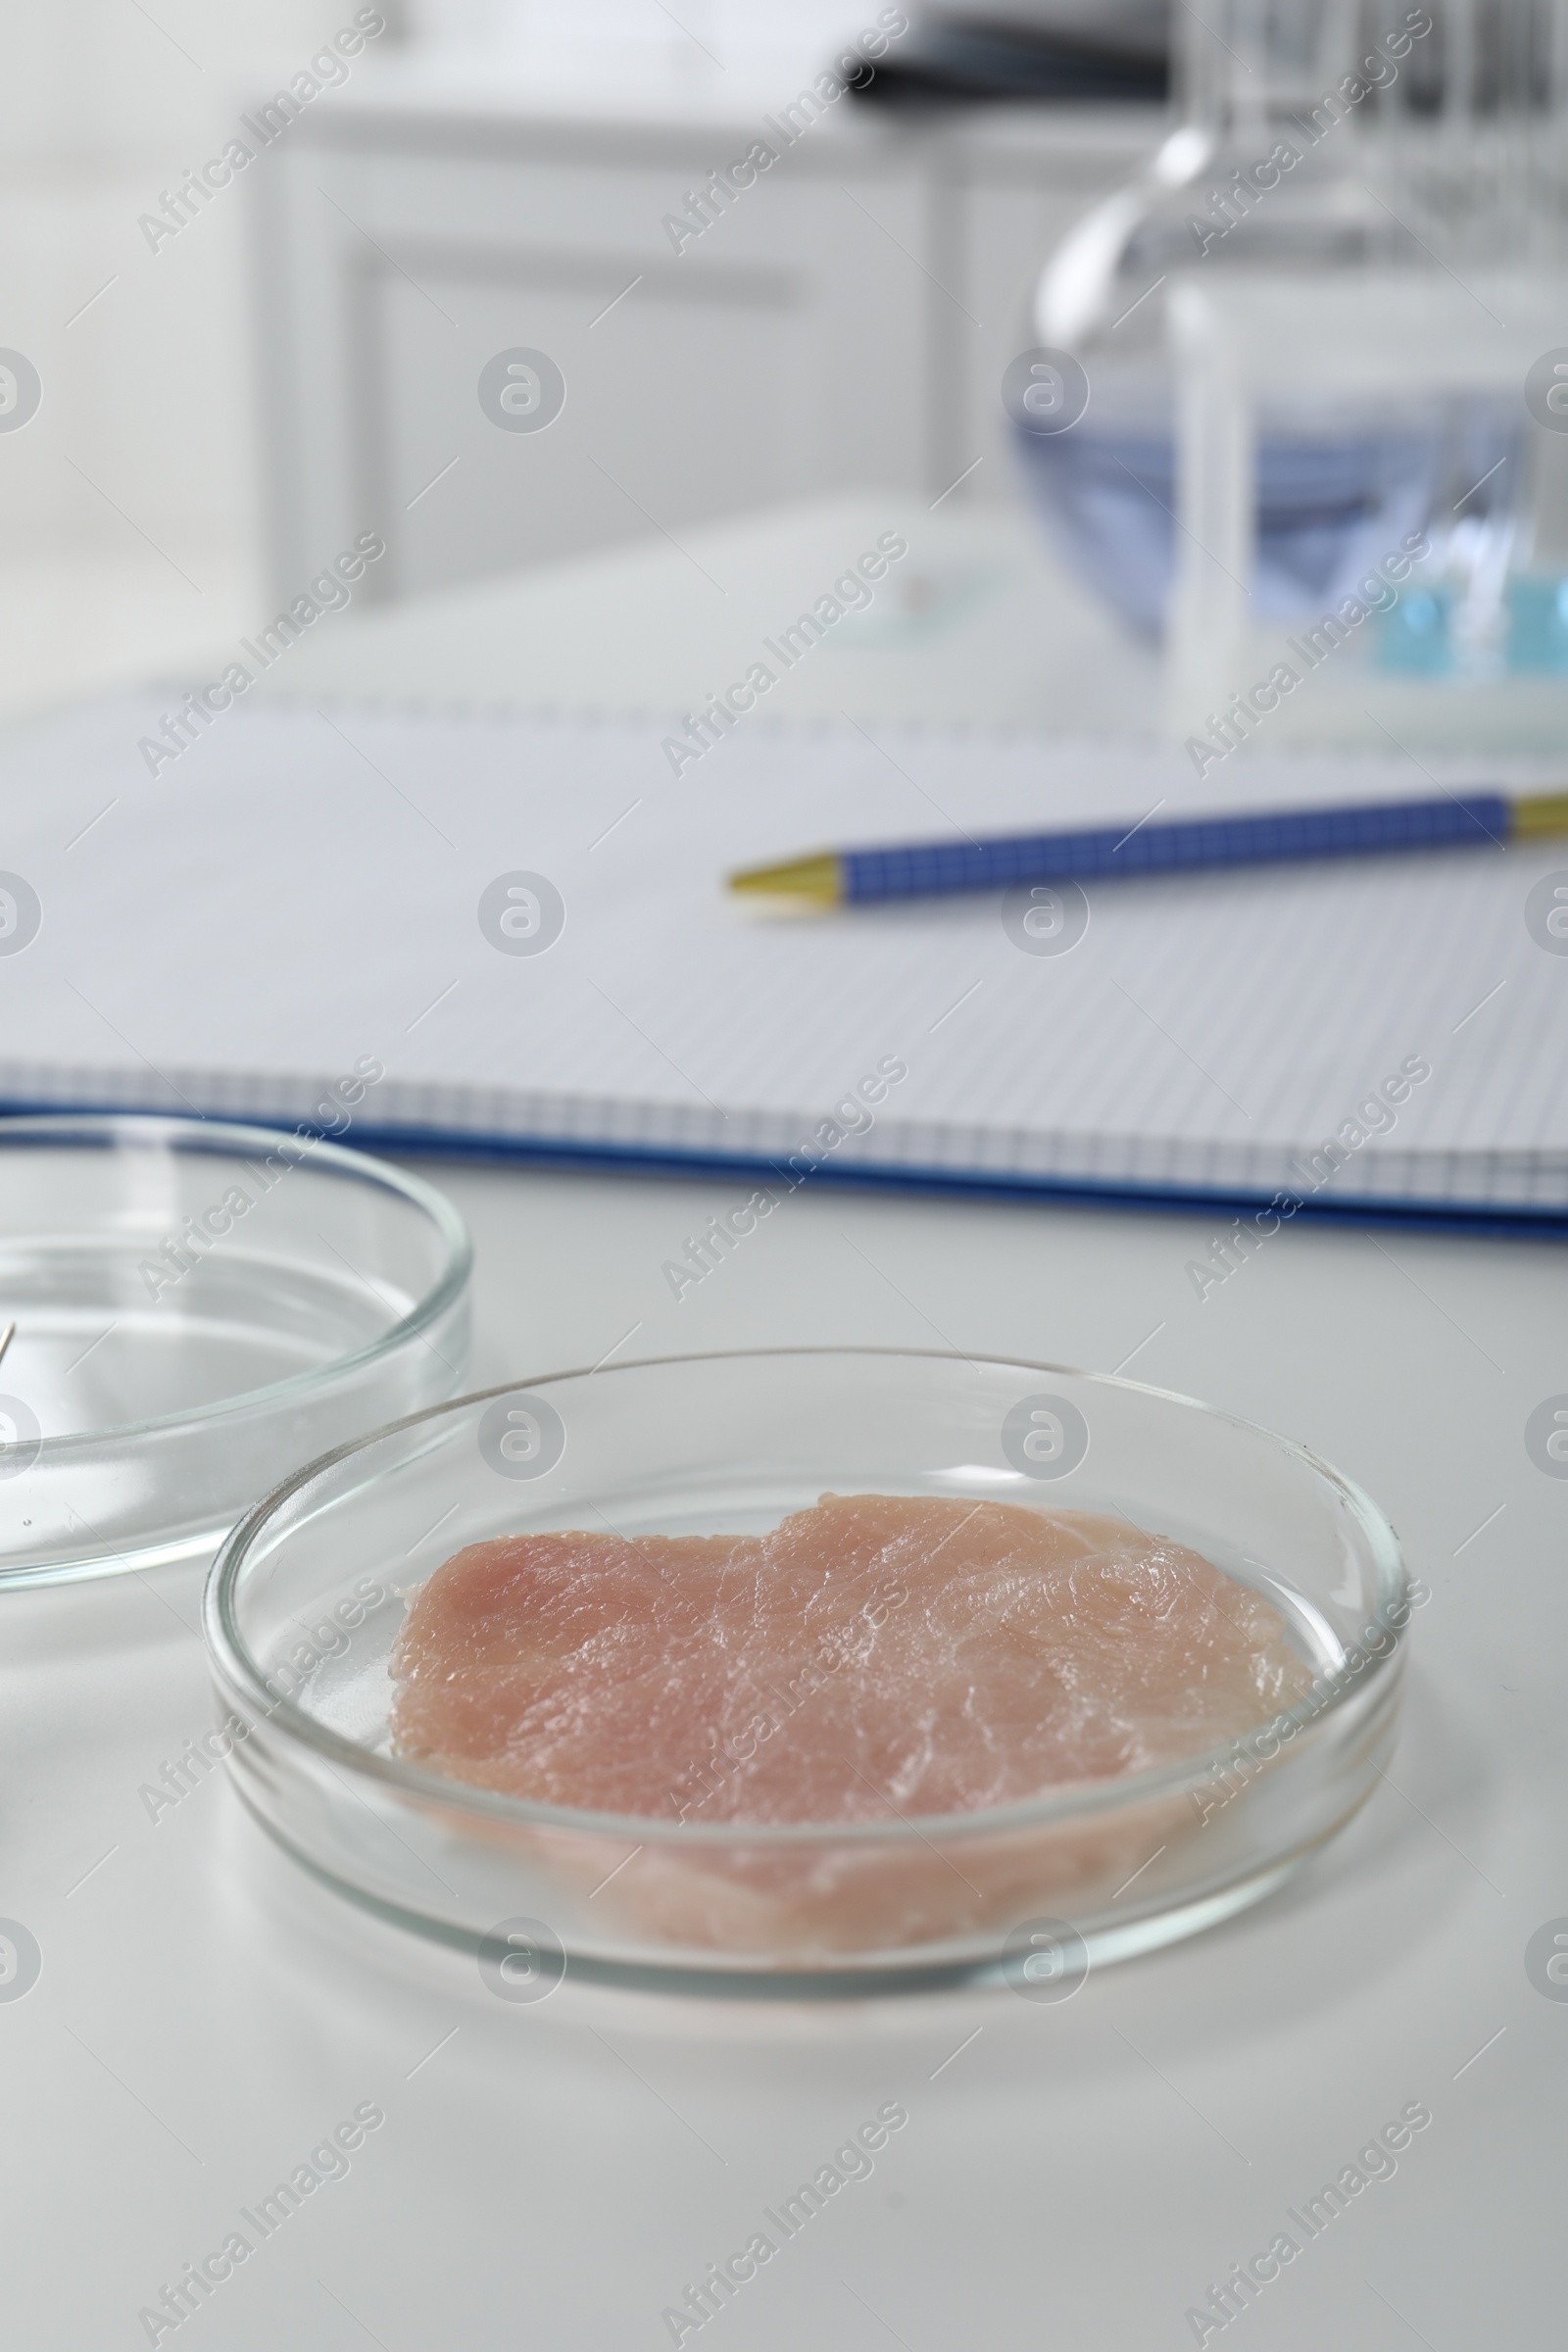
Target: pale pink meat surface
874	1656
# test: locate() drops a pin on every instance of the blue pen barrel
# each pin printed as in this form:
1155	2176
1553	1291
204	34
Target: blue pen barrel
1115	852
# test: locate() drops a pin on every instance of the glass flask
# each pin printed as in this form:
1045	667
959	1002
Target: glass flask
1301	379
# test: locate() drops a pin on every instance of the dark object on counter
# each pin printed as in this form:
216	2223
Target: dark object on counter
963	61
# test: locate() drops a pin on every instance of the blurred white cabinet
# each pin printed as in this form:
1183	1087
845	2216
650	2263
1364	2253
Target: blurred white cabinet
844	322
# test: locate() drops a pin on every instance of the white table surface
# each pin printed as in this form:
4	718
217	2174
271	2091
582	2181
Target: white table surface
978	623
1073	2175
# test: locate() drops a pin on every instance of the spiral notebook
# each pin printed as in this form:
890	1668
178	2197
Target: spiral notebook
514	931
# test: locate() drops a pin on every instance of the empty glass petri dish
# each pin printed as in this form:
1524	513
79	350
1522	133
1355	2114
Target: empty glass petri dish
304	1603
194	1308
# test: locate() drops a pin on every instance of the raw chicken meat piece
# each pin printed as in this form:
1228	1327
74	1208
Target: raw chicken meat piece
875	1661
877	1655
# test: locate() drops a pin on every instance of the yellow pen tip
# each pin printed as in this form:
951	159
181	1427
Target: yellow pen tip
1536	812
813	878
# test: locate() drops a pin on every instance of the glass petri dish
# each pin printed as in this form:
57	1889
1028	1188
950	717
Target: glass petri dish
306	1600
197	1307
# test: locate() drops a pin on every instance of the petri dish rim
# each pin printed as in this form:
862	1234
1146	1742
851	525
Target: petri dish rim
114	1131
230	1654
